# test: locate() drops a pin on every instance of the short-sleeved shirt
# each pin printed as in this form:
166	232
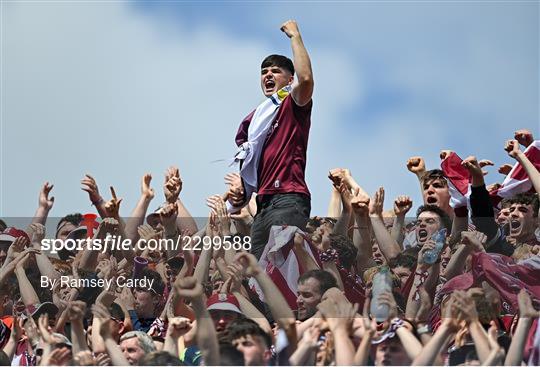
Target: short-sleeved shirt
282	164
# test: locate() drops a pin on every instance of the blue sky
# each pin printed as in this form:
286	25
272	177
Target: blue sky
119	89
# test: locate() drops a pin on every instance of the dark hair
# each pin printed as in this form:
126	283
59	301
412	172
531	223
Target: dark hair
434	174
159	286
75	219
244	327
446	222
116	311
230	356
406	260
326	280
345	248
525	198
279	61
160	359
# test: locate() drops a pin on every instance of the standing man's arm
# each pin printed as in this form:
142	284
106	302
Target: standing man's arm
303	88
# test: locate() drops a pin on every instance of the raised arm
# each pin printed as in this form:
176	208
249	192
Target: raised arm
303	89
512	147
402	205
138	214
206	334
89	184
527	313
273	297
388	246
44	204
362	233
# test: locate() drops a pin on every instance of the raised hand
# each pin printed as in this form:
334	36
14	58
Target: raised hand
17	247
217	205
235	193
44	201
189	288
88	184
466	306
57	357
290	28
249	263
524	137
108	225
338	315
360	205
76	310
483	163
402	205
37	231
505	169
172	185
102	313
512	148
476	240
416	165
43	327
445	153
113	206
526	309
146	190
376	203
472	165
178	326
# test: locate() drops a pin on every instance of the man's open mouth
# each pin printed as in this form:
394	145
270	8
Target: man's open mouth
432	200
269	84
514	225
422	235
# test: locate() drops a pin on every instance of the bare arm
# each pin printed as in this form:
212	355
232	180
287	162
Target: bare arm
303	89
206	334
138	214
388	246
362	234
334	207
276	302
512	147
44	204
527	312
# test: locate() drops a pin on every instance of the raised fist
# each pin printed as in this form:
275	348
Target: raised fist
290	28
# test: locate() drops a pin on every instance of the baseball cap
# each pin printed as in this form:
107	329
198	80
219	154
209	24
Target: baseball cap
223	302
11	234
41	308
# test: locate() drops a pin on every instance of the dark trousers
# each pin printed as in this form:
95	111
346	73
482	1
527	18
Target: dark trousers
279	209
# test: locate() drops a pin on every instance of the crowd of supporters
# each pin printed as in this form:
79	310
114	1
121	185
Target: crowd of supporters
369	283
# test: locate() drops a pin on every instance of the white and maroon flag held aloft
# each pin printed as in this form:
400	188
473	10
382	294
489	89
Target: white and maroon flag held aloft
516	181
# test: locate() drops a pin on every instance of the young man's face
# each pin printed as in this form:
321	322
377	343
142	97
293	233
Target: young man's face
435	192
402	273
391	353
132	350
255	351
522	221
222	318
309	296
145	303
273	78
503	216
426	225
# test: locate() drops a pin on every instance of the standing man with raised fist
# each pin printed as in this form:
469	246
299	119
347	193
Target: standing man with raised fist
272	143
